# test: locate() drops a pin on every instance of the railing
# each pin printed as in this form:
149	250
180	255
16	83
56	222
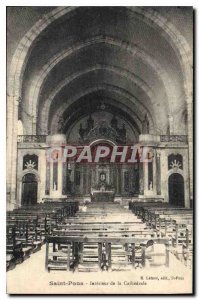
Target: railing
42	138
31	138
174	138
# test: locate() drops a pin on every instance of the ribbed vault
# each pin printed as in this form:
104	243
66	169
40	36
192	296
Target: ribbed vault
130	58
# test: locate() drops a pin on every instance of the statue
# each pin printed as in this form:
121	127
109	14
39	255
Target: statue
61	125
114	122
168	129
151	186
90	123
81	131
145	125
102	187
171	123
141	188
123	131
54	186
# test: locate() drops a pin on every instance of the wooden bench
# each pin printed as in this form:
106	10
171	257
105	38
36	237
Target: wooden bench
14	252
96	239
103	258
27	228
174	223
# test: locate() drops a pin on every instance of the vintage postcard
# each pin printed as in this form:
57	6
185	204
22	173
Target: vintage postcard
99	150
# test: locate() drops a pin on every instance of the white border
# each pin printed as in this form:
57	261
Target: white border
3	5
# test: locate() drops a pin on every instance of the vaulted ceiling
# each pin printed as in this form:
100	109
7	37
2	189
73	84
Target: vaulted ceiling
93	55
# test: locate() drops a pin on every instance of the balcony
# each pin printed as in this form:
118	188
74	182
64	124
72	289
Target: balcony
174	138
31	138
150	139
147	138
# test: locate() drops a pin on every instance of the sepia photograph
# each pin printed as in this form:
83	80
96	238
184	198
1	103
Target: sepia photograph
99	150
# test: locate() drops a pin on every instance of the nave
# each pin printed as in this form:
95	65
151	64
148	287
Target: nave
100	236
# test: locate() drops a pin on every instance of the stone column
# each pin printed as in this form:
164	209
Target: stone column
11	151
148	170
60	175
141	179
57	193
82	180
72	177
154	172
190	140
64	178
89	173
34	125
145	172
42	173
48	177
20	155
51	180
56	142
119	171
158	173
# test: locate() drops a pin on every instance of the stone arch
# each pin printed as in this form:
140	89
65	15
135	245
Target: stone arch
134	50
116	70
35	172
101	141
134	131
172	171
46	107
153	18
172	35
90	90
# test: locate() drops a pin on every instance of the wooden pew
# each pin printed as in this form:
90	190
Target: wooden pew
172	222
14	252
105	252
28	226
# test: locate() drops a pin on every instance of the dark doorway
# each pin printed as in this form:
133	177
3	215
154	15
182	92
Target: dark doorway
29	189
176	190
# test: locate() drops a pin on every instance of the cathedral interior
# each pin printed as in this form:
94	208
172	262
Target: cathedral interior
99	76
72	70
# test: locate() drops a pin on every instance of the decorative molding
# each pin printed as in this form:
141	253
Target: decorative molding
30	165
175	165
102	131
174	138
31	138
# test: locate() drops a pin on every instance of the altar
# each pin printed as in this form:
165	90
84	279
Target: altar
102	195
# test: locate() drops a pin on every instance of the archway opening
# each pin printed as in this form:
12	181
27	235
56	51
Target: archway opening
29	189
176	190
